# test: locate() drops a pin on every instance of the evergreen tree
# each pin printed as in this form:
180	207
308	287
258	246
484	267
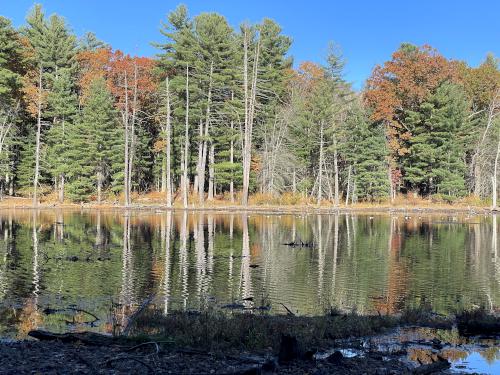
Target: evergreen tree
62	107
365	150
436	160
95	146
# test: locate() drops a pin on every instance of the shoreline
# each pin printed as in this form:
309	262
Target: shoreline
17	203
243	343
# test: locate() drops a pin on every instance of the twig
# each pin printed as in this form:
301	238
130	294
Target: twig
157	348
290	312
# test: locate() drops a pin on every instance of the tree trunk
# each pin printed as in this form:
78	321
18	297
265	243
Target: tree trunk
348	185
336	170
203	159
99	187
211	173
250	100
163	185
495	176
38	135
132	135
231	160
320	165
168	146
196	185
185	185
61	188
126	134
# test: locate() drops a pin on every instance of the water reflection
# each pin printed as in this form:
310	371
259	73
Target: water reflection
370	264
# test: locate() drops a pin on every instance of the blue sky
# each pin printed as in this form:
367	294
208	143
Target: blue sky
367	31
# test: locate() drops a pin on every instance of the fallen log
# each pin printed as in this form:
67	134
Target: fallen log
88	338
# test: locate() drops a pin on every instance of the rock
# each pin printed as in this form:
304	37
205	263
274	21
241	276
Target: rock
336	358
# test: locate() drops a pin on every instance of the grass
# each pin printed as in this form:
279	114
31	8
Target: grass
218	330
258	201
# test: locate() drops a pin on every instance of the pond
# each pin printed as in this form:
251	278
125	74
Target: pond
51	260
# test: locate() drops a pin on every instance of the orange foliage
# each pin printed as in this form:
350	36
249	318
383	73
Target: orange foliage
113	66
404	83
308	75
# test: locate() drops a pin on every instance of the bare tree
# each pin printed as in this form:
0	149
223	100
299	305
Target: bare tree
168	145
479	165
185	181
250	103
204	135
38	136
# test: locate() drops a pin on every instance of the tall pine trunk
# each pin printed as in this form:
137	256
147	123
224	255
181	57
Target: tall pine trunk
203	159
61	188
320	165
99	186
168	146
185	181
211	173
231	160
250	101
38	136
336	170
126	148
495	176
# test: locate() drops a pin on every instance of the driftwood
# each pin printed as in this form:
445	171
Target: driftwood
134	316
88	338
432	368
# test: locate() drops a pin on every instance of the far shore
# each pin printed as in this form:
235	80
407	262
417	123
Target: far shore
226	206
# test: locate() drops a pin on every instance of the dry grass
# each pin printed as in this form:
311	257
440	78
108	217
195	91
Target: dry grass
256	201
217	330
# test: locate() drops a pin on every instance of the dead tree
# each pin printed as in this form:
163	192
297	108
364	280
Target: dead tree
38	137
249	104
185	161
168	145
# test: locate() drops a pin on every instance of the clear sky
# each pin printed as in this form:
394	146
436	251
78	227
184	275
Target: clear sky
367	31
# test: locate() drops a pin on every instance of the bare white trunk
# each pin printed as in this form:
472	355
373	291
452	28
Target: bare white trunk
126	188
38	136
336	170
185	186
203	159
348	186
168	146
320	165
250	101
211	173
231	160
495	176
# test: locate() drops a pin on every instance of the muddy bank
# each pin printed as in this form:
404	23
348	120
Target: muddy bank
417	342
30	357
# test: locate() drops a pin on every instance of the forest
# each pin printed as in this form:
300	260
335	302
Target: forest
226	114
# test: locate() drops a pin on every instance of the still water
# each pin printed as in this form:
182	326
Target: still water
94	260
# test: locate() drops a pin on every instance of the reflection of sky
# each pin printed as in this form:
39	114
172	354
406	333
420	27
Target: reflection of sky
475	363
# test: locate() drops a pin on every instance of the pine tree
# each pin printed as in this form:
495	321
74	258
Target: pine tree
436	160
62	107
12	67
95	146
365	150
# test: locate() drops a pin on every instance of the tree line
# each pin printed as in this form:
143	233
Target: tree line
221	112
